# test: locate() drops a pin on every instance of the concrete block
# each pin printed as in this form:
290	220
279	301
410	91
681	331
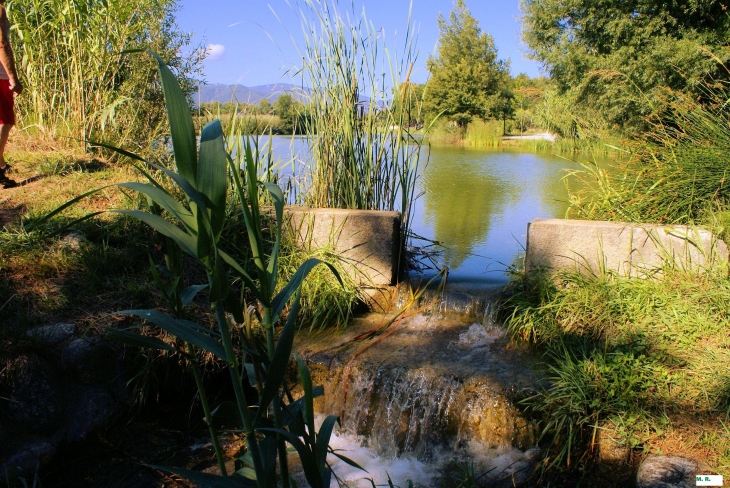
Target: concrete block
633	250
368	241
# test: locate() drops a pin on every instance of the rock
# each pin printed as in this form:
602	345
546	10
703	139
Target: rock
90	358
36	399
666	472
610	450
92	411
27	461
51	335
73	240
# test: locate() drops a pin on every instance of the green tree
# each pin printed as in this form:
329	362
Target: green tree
621	60
285	109
467	78
264	107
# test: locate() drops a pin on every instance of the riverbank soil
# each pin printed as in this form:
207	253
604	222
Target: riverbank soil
80	276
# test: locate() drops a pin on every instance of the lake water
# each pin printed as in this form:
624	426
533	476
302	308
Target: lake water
476	203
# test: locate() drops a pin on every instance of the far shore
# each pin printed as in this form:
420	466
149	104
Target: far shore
545	136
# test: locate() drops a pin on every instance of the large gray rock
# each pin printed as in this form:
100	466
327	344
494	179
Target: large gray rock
52	335
36	399
628	249
92	410
367	241
666	472
90	358
27	461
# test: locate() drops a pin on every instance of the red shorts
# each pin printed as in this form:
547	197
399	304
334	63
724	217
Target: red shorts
7	103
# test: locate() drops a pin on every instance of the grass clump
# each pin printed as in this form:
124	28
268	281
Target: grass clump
677	173
325	302
480	133
644	358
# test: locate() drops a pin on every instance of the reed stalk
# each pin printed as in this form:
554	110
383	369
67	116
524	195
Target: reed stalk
361	104
80	84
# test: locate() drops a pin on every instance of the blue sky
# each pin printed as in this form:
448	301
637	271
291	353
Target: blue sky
253	41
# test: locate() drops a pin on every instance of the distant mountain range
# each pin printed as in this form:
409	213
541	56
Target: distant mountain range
246	94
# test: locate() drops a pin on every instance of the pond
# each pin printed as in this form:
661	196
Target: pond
476	203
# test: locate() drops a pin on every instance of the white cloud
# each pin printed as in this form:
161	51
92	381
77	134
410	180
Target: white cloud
215	51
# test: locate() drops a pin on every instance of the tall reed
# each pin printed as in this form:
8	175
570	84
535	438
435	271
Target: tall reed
366	156
678	174
79	83
481	133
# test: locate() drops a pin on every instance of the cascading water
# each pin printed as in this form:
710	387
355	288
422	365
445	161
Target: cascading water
424	394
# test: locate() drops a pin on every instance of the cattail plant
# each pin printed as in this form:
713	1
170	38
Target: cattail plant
361	107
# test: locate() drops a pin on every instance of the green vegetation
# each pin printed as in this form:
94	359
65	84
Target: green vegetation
642	359
365	156
677	175
639	359
618	62
467	80
200	212
79	83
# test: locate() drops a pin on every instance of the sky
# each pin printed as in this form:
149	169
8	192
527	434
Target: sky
253	42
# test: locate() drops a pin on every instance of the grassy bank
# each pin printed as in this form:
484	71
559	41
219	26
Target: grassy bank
490	134
642	361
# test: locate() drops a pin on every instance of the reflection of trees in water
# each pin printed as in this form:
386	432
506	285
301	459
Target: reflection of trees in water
462	194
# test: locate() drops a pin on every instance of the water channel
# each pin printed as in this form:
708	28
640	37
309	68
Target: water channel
440	391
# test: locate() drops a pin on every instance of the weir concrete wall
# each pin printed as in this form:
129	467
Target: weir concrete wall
367	241
627	249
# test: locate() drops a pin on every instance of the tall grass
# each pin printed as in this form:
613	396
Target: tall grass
678	174
481	133
365	154
79	83
644	356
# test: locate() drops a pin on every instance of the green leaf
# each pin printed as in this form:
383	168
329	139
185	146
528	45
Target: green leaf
185	241
305	456
123	152
306	380
241	272
181	123
63	207
213	173
166	201
200	200
247	472
349	461
188	295
180	329
219	287
279	363
323	440
209	480
136	340
278	197
233	306
279	301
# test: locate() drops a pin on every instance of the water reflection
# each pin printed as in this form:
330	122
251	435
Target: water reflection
478	203
461	198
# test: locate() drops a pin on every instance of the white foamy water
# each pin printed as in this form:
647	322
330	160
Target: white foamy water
499	464
478	335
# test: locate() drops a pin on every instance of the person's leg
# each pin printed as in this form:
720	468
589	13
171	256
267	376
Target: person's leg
4	133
